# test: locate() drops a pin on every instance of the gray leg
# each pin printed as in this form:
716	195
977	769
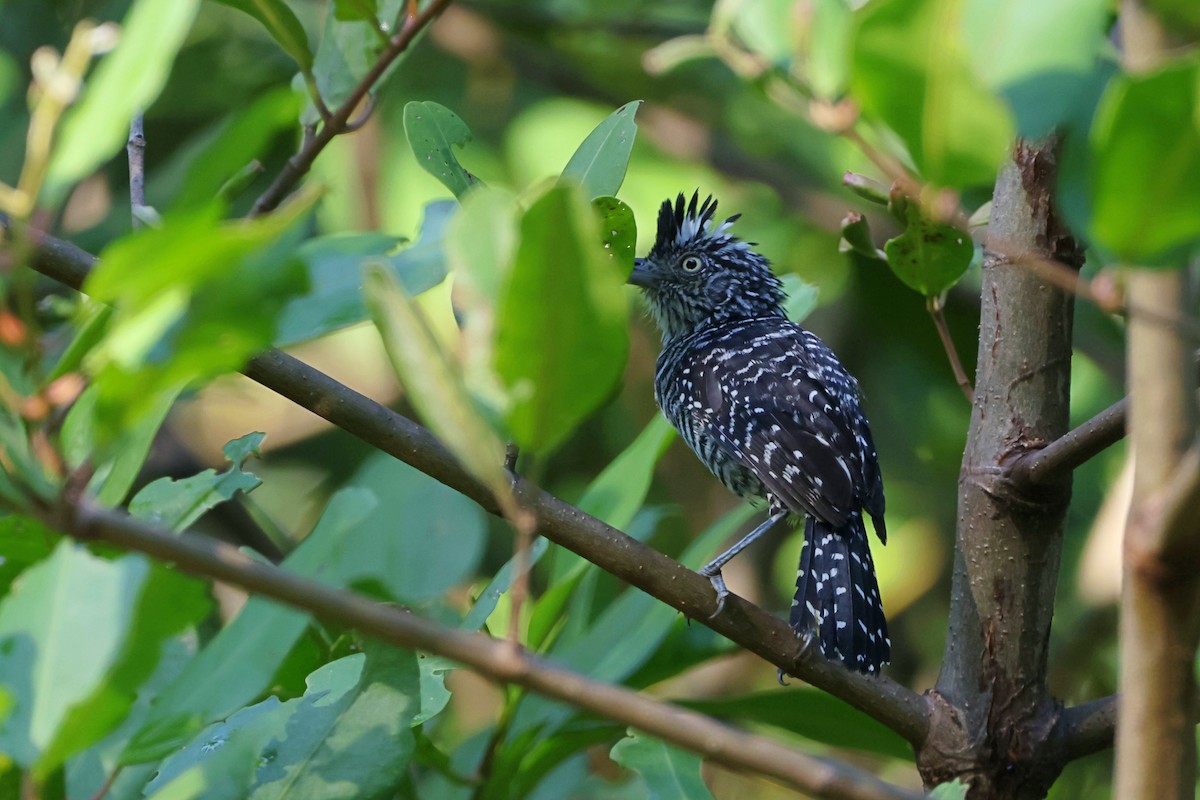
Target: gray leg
712	570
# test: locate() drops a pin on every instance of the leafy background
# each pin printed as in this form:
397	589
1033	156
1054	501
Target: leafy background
504	94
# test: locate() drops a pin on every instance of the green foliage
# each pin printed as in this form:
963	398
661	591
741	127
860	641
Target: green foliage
668	771
955	790
599	164
281	23
433	131
929	256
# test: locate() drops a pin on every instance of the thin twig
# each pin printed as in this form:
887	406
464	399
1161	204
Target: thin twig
744	623
493	659
136	149
936	307
299	164
108	783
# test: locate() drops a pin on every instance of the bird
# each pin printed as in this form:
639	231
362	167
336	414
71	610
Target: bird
774	415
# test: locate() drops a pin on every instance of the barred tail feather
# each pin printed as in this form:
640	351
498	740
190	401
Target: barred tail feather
836	591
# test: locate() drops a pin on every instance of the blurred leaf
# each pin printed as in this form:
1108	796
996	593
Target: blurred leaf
433	130
126	81
929	257
243	137
811	713
481	241
866	188
546	753
669	772
911	71
1019	40
618	231
349	736
334	263
240	661
620	489
348	50
177	504
801	297
856	237
955	790
422	539
9	78
486	603
24	541
827	41
599	164
192	300
72	603
355	9
766	27
1181	16
433	383
1145	176
90	326
559	360
281	23
22	474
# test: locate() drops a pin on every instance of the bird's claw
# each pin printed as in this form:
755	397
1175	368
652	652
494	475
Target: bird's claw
718	584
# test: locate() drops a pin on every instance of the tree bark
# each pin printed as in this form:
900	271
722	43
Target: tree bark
1009	537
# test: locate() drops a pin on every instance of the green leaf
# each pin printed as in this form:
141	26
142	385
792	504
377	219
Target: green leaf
240	661
488	599
811	713
1145	176
955	790
600	162
801	297
192	300
434	385
126	81
1180	16
335	264
348	50
910	70
827	45
433	130
669	772
177	504
72	603
619	491
618	232
559	360
355	9
243	137
281	23
929	257
422	539
24	541
856	237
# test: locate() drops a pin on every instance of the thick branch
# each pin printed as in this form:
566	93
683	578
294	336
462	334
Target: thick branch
495	659
339	121
899	708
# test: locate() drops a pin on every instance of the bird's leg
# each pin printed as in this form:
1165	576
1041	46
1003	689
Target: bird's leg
712	570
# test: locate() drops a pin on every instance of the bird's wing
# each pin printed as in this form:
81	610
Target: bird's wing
772	407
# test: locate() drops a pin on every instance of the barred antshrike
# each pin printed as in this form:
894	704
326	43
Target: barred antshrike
770	411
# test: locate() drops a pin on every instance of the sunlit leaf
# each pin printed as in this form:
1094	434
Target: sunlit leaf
126	81
955	790
910	70
600	162
669	772
559	360
433	132
618	230
1145	174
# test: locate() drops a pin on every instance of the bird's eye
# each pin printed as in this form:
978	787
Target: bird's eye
691	264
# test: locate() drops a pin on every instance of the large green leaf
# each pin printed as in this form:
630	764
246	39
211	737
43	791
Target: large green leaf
561	334
176	504
334	263
125	82
600	162
433	132
929	256
348	50
910	70
239	663
1145	174
117	612
281	23
669	772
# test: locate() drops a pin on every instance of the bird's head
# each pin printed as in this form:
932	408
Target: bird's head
698	273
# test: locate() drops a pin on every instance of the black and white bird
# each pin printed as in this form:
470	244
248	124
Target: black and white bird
774	415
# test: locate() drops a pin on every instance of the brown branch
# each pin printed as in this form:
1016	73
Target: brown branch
495	659
338	121
744	623
1072	449
1088	727
937	310
136	150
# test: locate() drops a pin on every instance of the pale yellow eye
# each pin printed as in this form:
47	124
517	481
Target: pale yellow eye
691	264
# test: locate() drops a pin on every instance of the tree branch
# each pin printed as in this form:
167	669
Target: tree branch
338	122
744	623
498	660
1071	450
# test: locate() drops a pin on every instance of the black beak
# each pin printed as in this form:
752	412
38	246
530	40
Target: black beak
641	276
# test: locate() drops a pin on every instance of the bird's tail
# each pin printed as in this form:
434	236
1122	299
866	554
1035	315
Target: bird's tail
837	592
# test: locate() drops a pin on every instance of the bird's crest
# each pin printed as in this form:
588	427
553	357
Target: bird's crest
683	222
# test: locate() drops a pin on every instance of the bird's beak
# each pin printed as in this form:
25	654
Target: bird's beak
641	276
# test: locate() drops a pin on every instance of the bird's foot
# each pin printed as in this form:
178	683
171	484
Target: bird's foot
718	584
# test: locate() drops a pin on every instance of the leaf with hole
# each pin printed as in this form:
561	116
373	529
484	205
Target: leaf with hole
433	132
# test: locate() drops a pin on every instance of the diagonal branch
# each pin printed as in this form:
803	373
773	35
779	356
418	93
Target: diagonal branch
495	659
1072	449
339	122
667	580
